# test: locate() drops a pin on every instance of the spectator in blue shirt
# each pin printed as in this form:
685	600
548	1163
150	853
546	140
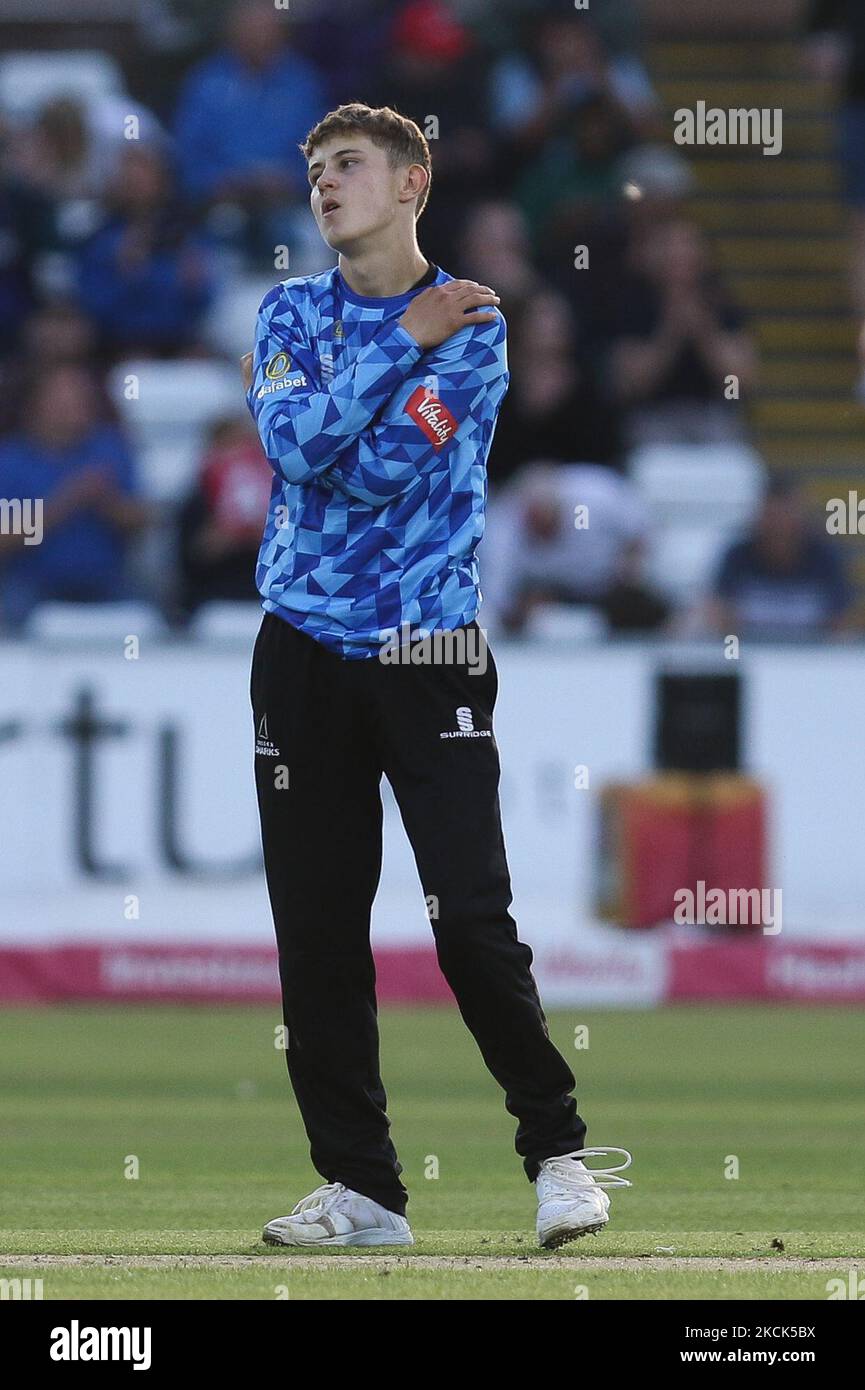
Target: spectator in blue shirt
145	279
240	117
782	580
81	472
26	228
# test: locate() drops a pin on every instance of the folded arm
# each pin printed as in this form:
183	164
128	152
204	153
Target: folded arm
373	429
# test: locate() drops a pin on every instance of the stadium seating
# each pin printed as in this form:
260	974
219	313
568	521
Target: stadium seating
698	498
93	622
226	622
557	623
28	80
168	416
230	324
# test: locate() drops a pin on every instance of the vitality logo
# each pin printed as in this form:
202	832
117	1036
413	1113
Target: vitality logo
432	415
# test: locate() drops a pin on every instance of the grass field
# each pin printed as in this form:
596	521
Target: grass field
198	1100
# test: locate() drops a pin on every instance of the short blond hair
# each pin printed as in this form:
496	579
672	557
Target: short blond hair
403	140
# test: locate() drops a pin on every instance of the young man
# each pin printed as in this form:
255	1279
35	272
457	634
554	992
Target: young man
375	387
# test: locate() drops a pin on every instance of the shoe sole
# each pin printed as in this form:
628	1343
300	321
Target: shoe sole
560	1238
364	1238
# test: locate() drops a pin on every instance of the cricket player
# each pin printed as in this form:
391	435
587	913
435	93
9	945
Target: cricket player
375	387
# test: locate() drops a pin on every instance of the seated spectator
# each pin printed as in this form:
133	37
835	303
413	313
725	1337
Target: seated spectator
74	149
145	279
568	188
241	115
836	57
26	228
620	23
553	408
678	339
495	249
355	35
221	523
57	333
649	185
563	64
431	74
784	579
82	473
569	534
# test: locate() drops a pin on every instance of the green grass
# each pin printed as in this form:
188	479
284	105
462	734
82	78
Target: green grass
427	1284
200	1099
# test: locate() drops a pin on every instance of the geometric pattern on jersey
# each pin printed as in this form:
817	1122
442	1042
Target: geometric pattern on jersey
379	453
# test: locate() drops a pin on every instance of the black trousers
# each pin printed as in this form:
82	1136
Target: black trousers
329	728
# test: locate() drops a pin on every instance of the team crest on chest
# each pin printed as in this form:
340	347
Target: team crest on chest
278	366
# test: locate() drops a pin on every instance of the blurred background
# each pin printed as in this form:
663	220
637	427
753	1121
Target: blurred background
677	619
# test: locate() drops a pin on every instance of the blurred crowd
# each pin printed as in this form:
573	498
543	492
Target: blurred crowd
125	217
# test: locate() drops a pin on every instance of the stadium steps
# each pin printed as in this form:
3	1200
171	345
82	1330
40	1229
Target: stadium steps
767	294
755	215
783	417
798	331
777	228
767	89
776	250
830	376
779	175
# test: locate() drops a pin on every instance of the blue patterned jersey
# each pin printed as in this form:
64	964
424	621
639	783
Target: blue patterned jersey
379	451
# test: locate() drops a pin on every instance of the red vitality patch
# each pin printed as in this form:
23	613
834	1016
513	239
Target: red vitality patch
432	415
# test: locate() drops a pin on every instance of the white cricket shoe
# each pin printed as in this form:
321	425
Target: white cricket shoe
571	1199
335	1215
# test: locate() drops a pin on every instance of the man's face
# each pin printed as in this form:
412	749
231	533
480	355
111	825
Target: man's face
63	409
781	529
355	192
254	31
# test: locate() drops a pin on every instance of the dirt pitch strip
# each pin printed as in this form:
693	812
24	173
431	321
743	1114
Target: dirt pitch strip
437	1262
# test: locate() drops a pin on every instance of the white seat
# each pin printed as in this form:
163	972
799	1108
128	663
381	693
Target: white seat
167	408
29	80
154	394
221	621
230	324
94	622
560	622
718	481
699	498
167	470
682	559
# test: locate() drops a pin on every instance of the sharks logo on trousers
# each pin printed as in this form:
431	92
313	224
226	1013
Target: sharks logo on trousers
263	745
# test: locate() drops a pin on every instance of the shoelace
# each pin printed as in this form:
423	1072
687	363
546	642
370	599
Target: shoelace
322	1197
560	1167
